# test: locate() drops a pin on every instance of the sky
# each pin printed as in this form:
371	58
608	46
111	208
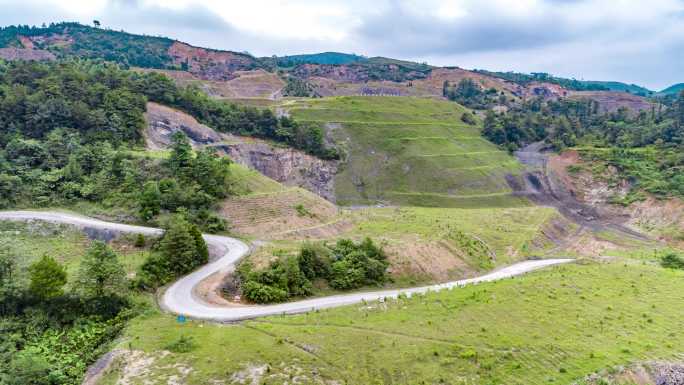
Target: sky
633	41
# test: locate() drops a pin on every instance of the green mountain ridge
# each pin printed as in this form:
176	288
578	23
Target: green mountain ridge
571	84
71	39
320	58
673	89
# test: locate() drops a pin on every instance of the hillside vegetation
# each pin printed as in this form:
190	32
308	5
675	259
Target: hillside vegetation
549	327
68	39
411	151
319	58
675	89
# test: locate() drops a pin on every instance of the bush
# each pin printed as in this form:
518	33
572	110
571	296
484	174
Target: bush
345	266
48	278
260	293
181	250
468	118
672	261
139	241
182	345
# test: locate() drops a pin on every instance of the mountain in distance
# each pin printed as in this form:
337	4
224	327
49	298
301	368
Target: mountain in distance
673	89
336	58
620	86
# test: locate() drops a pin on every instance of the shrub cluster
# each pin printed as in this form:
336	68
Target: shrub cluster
346	265
49	335
180	251
672	261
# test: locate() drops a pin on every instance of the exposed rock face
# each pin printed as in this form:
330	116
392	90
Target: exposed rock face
209	64
285	165
25	54
163	121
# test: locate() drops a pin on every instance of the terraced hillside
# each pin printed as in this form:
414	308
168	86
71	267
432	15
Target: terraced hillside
411	151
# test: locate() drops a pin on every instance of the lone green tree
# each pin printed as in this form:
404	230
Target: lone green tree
100	273
181	159
150	201
47	278
183	247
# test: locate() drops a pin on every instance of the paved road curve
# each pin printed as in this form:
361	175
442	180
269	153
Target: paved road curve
179	298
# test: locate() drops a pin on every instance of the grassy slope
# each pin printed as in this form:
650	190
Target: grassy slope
411	151
30	241
553	326
267	210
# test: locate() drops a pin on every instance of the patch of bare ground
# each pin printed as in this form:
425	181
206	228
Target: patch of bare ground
208	63
650	373
132	367
334	228
433	260
241	85
211	290
12	53
266	215
256	374
249	84
611	101
663	219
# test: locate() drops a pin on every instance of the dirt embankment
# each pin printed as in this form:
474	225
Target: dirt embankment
663	219
210	64
545	185
611	101
286	165
25	54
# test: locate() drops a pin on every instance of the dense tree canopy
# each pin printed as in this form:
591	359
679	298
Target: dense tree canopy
344	266
68	128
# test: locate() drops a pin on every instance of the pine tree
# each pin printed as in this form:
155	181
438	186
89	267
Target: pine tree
181	159
47	277
180	248
100	273
200	246
150	201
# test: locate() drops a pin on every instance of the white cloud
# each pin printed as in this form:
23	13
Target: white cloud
628	40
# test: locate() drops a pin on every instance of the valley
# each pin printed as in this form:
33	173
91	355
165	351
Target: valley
173	214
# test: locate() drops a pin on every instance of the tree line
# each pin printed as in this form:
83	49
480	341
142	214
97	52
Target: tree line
68	128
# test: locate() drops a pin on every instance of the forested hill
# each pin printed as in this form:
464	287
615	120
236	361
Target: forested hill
78	40
570	84
69	128
673	90
320	58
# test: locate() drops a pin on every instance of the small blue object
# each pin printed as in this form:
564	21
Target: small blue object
180	319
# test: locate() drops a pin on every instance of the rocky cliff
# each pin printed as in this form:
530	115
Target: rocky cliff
285	165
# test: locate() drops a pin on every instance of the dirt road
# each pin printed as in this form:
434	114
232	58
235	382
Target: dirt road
180	298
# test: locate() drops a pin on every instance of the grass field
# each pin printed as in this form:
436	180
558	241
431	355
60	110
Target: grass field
410	151
553	326
28	242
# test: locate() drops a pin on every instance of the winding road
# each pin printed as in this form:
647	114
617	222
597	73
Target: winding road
180	297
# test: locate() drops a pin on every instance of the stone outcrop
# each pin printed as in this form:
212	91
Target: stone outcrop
285	165
163	121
